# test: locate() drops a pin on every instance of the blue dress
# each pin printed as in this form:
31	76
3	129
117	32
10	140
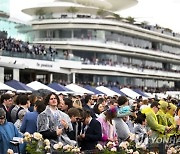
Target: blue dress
7	132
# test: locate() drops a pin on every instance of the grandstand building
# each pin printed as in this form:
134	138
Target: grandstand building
86	41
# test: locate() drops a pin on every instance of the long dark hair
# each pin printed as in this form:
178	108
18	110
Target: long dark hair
110	114
95	108
46	100
140	118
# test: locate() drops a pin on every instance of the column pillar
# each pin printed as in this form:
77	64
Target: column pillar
69	78
50	78
74	77
94	79
104	79
2	74
72	33
16	74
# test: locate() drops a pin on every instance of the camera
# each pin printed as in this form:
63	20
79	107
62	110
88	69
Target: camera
14	142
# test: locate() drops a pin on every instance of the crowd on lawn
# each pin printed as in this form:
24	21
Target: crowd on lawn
86	121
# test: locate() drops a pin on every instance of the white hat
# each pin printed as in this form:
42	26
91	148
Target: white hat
9	92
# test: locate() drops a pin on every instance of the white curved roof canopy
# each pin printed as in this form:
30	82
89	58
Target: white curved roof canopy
90	6
112	5
118	5
61	9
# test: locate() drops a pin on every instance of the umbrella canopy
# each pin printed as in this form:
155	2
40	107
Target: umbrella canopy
118	91
60	88
6	87
88	87
140	92
19	86
41	92
130	93
150	95
38	85
107	91
78	89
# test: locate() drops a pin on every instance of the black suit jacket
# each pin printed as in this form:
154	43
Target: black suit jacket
86	107
8	116
93	134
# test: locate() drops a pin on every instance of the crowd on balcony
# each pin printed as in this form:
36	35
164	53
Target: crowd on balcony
86	121
14	46
111	38
18	46
109	62
143	25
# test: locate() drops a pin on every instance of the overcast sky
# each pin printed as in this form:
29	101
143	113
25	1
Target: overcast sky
165	13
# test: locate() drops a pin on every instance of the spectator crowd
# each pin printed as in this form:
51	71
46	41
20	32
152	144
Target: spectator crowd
18	46
87	120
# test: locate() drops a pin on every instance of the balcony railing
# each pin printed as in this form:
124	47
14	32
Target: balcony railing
100	42
48	57
152	28
97	66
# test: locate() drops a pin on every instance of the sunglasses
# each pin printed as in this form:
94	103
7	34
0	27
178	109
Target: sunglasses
3	117
81	120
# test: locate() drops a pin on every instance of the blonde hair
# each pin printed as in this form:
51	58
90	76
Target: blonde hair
77	104
145	102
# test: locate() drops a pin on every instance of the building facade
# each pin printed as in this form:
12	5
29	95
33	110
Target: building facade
89	44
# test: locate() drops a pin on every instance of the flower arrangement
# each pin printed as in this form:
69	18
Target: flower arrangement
125	147
59	147
173	150
35	144
109	148
132	148
10	151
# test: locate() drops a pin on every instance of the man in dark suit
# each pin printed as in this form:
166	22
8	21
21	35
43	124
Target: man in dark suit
6	102
88	103
91	133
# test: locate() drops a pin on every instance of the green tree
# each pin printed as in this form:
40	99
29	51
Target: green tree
168	30
157	26
72	10
144	24
40	12
100	12
117	16
131	20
